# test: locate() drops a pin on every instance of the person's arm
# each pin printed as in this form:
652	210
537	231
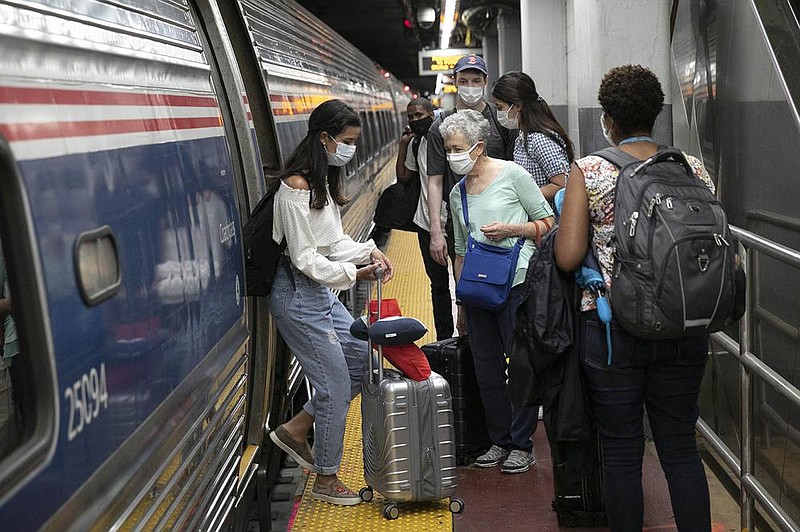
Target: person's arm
5	307
551	157
540	214
405	166
572	239
436	169
556	183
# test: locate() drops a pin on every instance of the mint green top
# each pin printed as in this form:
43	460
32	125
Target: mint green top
11	347
512	197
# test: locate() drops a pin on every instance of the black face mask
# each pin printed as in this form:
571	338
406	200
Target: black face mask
421	126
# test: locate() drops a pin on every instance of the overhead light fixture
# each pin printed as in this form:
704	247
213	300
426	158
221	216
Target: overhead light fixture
426	17
448	22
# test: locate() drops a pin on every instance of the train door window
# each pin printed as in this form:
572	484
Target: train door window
97	265
28	399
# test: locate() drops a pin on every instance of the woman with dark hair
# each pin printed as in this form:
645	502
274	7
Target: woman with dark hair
664	375
310	318
542	147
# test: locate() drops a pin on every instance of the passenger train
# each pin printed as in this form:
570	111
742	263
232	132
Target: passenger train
135	138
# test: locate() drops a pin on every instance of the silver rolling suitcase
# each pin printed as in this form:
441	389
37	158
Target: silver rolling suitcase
408	436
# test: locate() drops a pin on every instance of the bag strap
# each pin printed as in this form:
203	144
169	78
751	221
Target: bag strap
463	188
616	156
415	149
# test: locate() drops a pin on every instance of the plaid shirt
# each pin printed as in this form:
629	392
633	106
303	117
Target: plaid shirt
544	158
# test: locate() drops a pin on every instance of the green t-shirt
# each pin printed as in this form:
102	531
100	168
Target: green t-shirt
512	197
11	347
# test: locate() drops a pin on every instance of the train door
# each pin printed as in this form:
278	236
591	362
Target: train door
120	190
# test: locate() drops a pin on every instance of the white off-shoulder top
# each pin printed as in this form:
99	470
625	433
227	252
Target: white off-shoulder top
315	240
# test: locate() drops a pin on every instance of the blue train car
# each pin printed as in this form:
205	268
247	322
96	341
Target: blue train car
135	137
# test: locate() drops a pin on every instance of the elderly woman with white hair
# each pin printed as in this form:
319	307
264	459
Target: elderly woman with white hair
503	205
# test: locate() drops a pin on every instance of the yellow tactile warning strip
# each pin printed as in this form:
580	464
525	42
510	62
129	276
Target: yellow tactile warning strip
411	288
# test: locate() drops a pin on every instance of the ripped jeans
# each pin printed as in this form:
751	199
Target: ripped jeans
316	327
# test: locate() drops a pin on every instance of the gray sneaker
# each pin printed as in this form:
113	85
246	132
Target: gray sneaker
298	450
492	457
518	461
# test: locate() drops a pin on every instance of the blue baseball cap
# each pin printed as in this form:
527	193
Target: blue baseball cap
471	61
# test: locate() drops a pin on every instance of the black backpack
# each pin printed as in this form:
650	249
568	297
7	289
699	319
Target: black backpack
398	202
675	271
261	253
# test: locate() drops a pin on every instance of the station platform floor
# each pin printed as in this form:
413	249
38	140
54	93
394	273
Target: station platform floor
493	501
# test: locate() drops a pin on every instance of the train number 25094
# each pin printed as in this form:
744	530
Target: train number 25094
86	396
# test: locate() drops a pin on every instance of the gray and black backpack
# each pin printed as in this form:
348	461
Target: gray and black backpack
674	272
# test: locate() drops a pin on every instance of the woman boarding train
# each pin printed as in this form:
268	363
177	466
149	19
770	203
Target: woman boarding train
310	318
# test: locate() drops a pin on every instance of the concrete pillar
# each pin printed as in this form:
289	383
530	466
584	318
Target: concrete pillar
606	33
509	41
544	51
491	56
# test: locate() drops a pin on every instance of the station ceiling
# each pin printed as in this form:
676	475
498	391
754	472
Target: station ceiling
376	27
388	32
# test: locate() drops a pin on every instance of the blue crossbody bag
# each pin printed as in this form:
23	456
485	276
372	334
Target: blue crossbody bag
488	271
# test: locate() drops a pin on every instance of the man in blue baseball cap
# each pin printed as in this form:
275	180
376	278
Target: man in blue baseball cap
470	76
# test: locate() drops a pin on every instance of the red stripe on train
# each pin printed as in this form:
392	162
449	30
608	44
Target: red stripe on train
28	95
50	130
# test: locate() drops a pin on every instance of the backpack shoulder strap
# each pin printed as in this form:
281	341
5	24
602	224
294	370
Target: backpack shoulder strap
415	149
616	156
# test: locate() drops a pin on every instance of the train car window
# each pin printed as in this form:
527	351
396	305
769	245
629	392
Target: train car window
366	136
374	133
28	400
97	265
387	139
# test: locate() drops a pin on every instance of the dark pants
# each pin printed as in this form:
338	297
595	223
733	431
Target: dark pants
665	375
490	334
440	288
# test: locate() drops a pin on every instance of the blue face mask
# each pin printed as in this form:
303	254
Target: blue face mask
344	153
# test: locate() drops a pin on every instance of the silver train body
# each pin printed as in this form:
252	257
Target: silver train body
135	137
736	93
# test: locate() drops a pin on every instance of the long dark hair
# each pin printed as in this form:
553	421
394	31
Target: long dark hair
309	159
534	114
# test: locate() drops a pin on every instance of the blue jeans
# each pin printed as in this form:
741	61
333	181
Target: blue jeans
490	334
316	327
665	375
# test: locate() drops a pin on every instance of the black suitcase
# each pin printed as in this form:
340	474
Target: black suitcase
451	358
578	483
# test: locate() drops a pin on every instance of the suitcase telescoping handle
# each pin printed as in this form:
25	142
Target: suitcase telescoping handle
378	296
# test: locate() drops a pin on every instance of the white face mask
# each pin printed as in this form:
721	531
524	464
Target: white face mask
344	152
461	163
606	131
470	95
505	121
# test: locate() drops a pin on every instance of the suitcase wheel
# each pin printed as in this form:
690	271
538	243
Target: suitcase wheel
391	511
456	505
366	494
